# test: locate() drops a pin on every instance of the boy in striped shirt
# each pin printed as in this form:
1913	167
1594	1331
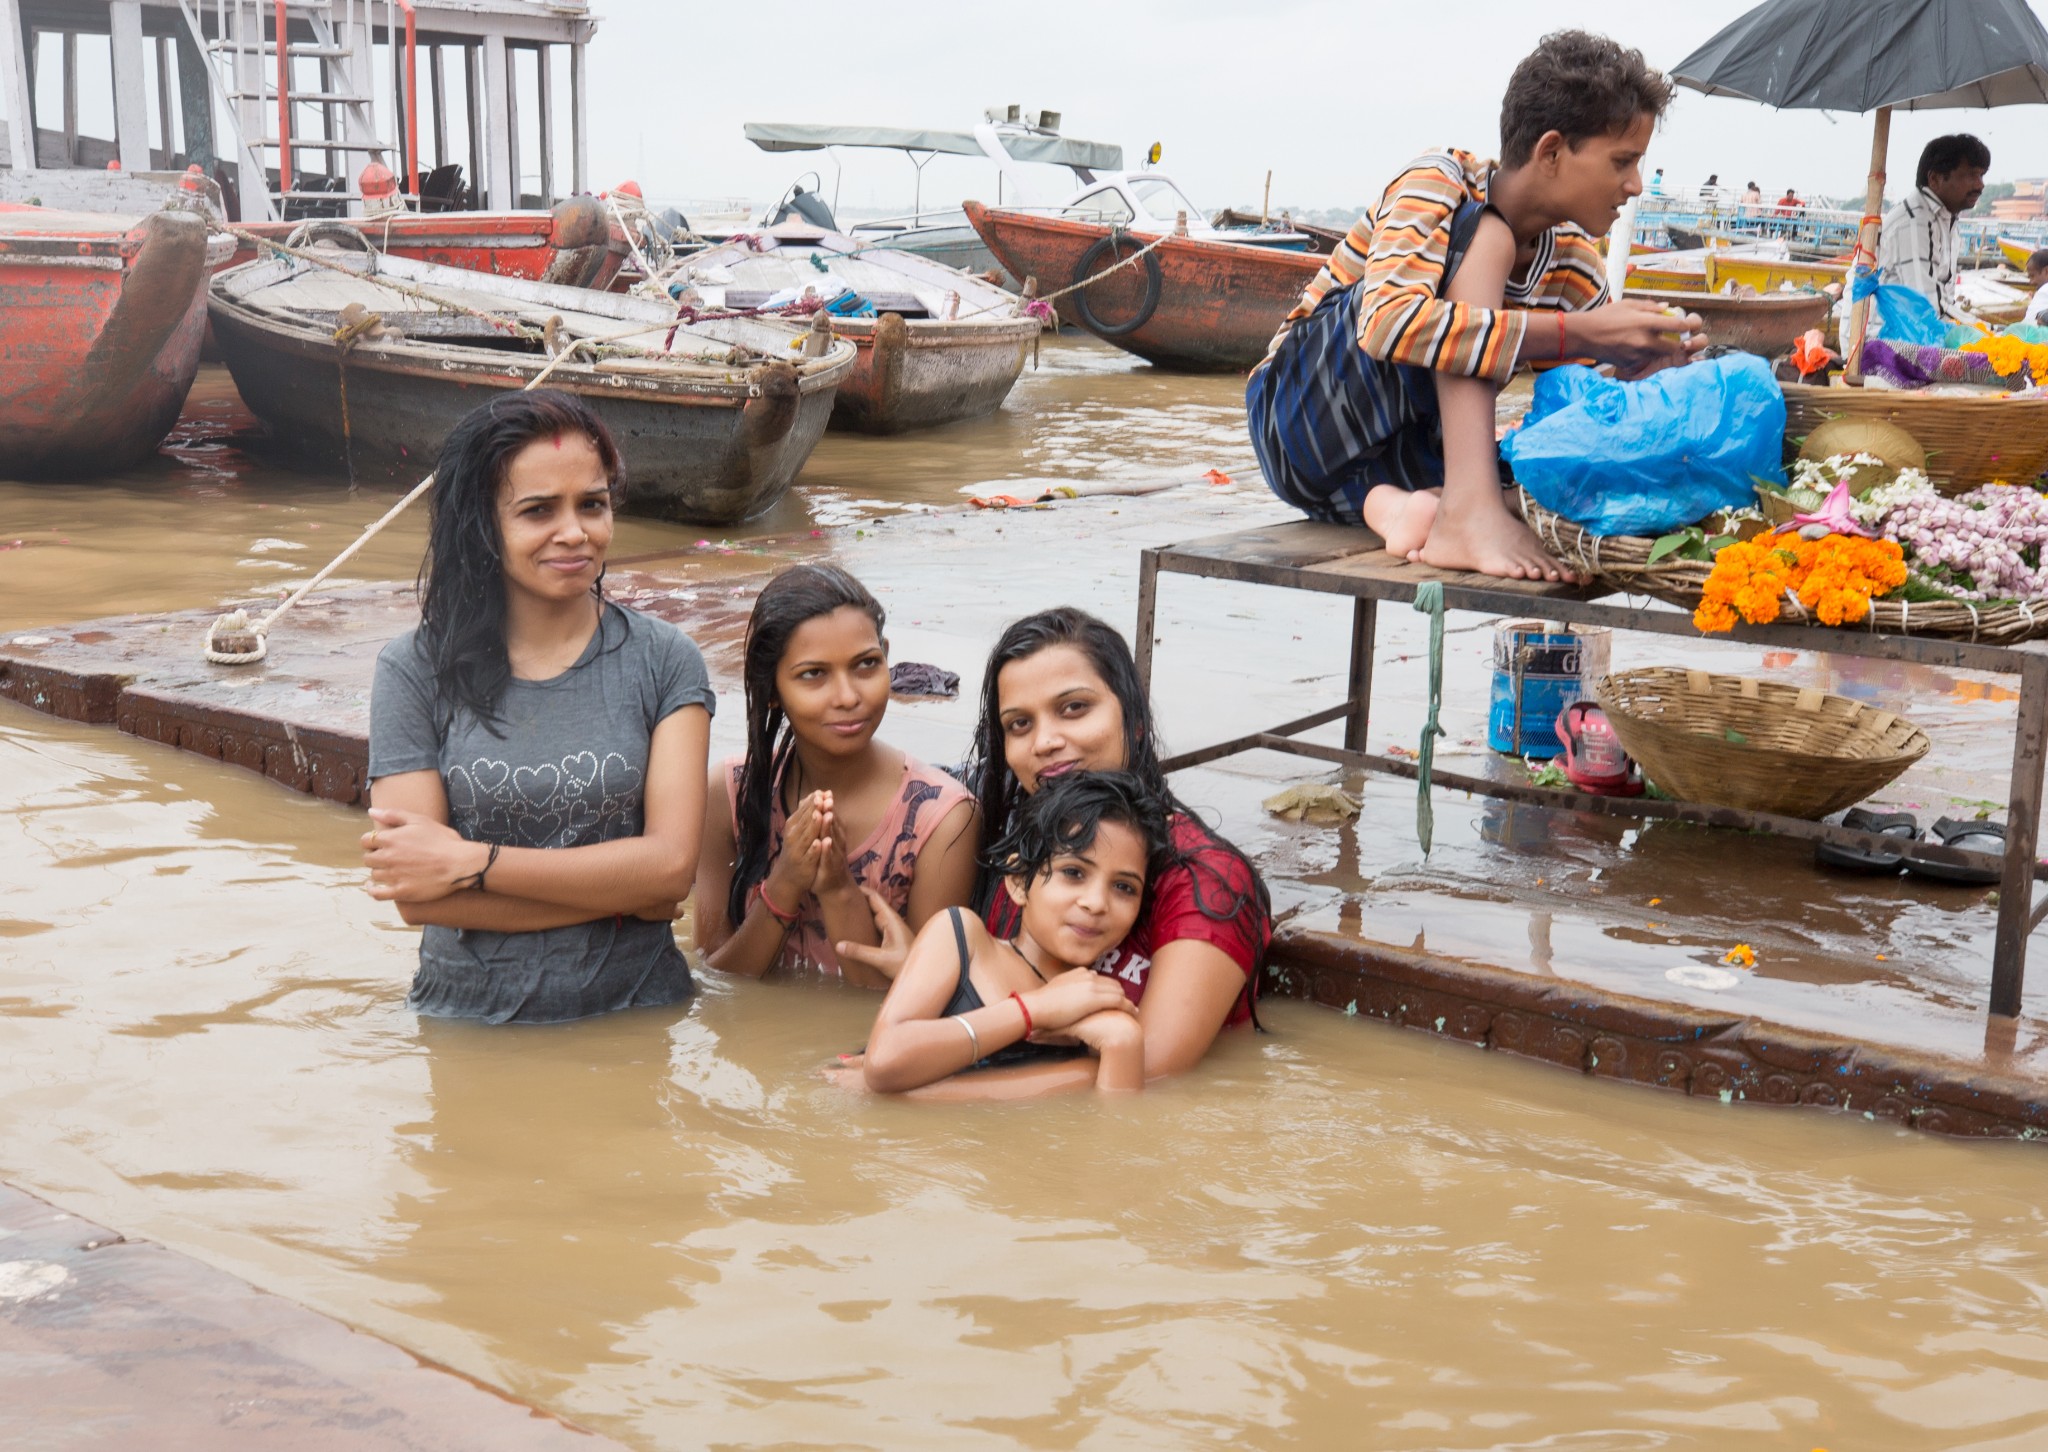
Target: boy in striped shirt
1376	402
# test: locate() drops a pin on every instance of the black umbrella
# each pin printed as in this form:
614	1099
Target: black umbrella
1875	55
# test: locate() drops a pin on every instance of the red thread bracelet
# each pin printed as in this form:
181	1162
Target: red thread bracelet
785	918
1025	1011
1560	335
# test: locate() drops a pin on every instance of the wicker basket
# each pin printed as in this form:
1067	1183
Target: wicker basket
1623	561
1969	441
1761	746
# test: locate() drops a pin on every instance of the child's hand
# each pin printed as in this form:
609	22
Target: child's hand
1118	1040
1638	338
888	956
1073	996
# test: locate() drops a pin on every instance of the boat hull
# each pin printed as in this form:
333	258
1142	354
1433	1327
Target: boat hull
914	375
104	317
1208	307
709	454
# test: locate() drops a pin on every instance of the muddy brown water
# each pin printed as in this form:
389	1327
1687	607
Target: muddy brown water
665	1225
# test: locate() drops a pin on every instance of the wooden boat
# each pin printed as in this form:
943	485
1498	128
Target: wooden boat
2016	253
713	418
1320	240
942	345
103	318
1192	304
1767	324
1771	274
575	245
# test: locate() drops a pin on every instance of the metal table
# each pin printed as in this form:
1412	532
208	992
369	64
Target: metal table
1344	560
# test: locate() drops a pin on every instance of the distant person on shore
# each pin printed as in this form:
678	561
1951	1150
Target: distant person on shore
820	818
1710	189
1752	195
1789	203
1376	402
1075	864
1919	245
2037	279
536	752
1656	187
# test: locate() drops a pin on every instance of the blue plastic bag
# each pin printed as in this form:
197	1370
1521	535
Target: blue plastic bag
1649	457
1903	315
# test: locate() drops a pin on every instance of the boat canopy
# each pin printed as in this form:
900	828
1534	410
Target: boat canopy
1021	145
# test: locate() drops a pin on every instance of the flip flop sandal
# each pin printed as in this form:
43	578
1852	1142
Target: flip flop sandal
1594	761
1970	837
1902	825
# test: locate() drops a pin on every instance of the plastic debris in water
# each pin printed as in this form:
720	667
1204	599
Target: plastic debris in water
1308	801
1740	956
1692	976
915	678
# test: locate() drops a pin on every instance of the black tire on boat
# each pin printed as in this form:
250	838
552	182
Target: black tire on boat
1146	306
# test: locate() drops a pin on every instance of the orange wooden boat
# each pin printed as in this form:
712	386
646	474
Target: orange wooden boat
1192	304
575	245
104	314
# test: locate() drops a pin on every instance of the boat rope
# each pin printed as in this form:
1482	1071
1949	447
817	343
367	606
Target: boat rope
1429	600
234	639
1041	307
599	347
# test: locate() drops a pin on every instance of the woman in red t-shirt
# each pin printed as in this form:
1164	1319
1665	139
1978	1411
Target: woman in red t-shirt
1061	693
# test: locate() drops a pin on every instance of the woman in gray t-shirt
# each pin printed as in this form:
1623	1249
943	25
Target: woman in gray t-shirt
537	753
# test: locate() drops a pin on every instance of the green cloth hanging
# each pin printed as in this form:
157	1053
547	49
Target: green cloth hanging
1429	600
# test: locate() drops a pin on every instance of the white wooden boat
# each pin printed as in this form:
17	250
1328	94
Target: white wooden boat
713	419
938	345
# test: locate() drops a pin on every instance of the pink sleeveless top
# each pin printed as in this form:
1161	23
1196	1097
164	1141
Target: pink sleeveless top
886	861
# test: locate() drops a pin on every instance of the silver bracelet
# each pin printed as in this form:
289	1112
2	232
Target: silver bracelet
973	1039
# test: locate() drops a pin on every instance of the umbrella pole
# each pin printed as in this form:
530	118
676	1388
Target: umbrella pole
1866	245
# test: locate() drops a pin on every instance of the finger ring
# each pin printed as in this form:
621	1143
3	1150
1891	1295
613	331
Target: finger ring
373	839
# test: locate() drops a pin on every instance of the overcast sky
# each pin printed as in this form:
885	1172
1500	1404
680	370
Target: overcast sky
1332	97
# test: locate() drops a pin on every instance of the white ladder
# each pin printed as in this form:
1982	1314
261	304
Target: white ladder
335	119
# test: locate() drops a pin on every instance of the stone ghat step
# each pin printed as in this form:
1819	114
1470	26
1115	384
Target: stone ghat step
109	1344
301	715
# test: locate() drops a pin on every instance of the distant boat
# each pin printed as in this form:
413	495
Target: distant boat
103	315
574	245
1192	303
2016	253
713	418
937	345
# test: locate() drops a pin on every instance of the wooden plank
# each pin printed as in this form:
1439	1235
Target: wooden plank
544	70
579	128
499	179
131	87
14	99
1297	543
2015	900
1404	576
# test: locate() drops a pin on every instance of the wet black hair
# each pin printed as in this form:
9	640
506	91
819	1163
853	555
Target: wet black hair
2037	260
1944	154
1000	794
462	577
1581	85
1062	820
800	593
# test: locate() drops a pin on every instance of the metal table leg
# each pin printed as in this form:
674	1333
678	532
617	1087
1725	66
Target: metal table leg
1148	604
2016	888
1364	627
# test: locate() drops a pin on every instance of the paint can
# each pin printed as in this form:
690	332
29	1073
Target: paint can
1539	668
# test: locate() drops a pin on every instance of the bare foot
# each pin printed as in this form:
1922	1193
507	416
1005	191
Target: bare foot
1400	517
1489	542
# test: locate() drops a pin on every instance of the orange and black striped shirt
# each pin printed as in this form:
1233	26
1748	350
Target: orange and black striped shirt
1396	254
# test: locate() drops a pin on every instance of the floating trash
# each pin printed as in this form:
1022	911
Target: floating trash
1714	980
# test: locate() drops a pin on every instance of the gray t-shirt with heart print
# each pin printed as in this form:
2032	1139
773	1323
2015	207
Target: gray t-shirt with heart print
564	768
